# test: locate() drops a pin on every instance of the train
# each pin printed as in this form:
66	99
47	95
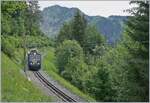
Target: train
34	60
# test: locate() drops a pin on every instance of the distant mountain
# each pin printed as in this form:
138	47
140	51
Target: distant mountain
55	16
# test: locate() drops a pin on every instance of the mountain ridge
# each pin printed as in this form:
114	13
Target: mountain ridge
55	16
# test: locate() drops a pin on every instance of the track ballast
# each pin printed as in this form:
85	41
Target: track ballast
64	97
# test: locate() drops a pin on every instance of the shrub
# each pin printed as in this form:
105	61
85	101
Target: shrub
67	50
8	45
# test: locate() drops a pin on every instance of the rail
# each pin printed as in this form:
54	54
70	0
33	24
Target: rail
64	97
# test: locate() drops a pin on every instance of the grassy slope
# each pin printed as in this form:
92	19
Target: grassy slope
15	87
49	67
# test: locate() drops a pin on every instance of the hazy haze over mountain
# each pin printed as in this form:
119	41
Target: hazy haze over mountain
92	8
55	16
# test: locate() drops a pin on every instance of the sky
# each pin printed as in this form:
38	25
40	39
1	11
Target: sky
93	8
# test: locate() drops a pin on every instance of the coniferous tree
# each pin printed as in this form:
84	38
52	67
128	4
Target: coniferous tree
33	18
79	26
137	42
65	33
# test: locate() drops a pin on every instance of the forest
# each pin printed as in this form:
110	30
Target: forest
107	73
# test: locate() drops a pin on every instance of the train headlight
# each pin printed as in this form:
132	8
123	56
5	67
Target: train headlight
38	63
31	63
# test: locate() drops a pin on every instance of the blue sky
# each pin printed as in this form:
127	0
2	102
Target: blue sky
92	8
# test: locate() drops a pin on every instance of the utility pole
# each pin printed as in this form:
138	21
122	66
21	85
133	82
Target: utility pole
24	48
25	51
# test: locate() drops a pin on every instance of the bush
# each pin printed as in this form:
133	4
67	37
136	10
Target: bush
8	45
69	49
71	63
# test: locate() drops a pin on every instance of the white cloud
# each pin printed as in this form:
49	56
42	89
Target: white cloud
93	8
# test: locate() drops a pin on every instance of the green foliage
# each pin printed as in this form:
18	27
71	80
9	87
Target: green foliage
15	88
77	68
18	18
38	41
115	61
78	27
101	85
49	65
33	17
92	39
72	63
136	40
82	57
9	44
69	49
20	24
55	16
74	30
13	7
65	33
12	12
120	73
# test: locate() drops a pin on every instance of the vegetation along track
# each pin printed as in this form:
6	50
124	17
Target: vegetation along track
54	89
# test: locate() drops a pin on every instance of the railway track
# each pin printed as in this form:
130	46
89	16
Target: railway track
64	97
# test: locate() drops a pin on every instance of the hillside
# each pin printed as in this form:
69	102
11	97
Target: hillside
79	62
14	85
55	16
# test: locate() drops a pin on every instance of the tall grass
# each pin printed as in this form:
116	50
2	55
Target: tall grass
15	87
